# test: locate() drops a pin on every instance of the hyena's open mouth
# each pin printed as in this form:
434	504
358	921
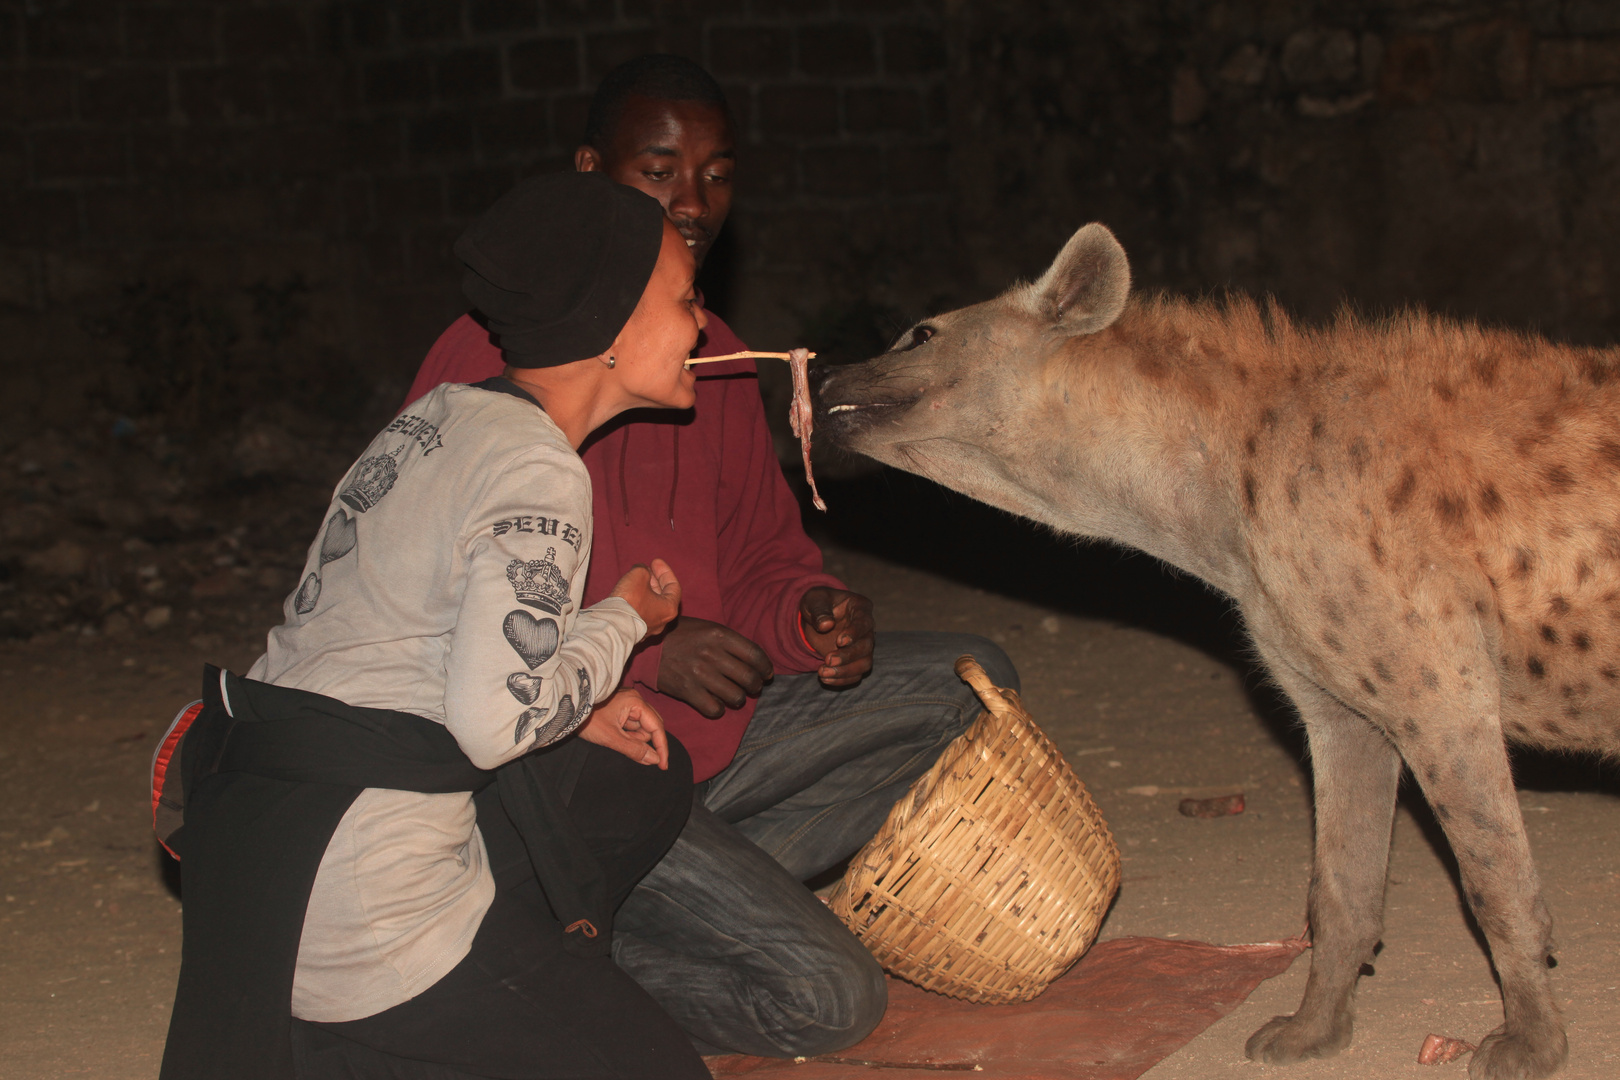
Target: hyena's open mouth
843	406
869	407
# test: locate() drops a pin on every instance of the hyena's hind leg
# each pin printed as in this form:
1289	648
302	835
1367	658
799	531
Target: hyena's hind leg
1355	770
1461	761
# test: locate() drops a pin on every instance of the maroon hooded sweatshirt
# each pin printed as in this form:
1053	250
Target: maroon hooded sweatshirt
702	490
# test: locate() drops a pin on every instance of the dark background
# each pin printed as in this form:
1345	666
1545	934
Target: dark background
224	249
225	226
196	198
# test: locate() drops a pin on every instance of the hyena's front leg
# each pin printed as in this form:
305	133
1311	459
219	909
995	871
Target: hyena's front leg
1461	762
1355	771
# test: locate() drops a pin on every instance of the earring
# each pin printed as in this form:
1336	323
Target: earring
612	362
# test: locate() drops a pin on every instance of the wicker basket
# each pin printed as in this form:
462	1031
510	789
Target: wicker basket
991	877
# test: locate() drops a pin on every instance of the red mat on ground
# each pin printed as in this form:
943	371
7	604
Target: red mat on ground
1127	1005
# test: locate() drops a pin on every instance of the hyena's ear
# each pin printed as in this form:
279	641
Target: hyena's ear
1086	285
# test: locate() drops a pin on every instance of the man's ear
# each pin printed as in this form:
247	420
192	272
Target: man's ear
588	159
1086	285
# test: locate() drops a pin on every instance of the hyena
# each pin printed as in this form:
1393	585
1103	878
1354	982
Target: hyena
1419	519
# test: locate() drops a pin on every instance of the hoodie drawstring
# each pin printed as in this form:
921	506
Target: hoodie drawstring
675	480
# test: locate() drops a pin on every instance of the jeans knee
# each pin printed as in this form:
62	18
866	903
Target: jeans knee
870	1000
846	1005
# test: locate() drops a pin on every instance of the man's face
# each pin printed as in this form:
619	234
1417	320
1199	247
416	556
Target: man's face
681	153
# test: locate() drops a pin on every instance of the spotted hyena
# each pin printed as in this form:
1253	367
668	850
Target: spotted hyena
1419	519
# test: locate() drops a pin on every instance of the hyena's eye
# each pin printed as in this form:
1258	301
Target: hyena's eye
918	335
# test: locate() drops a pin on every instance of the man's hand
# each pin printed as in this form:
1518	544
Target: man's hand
838	625
626	723
711	667
653	592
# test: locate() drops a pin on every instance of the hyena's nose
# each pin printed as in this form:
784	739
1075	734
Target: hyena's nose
827	388
819	377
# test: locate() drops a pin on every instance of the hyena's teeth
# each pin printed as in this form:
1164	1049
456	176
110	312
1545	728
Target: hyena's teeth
843	408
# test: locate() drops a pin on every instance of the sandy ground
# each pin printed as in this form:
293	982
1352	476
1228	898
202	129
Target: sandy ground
1140	677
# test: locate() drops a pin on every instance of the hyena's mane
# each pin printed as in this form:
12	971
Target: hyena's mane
1259	342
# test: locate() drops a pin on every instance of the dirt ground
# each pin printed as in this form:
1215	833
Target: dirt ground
1139	676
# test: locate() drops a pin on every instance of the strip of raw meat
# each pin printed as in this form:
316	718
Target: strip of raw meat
801	416
800	413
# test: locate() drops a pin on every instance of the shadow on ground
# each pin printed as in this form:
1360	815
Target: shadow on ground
918	523
915	522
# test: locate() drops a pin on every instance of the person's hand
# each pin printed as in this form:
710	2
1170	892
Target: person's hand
711	667
626	723
653	592
838	625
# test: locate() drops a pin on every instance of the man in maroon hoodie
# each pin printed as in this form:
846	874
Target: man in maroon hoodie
800	743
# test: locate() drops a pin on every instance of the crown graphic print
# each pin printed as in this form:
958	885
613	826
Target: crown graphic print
538	583
373	478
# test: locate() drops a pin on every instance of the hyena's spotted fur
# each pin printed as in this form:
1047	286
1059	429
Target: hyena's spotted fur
1420	521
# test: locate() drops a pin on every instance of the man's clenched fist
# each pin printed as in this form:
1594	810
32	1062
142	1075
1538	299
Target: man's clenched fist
838	625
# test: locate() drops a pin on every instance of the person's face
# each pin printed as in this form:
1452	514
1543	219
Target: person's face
681	153
651	351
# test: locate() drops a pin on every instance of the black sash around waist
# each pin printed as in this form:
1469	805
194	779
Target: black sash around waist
266	782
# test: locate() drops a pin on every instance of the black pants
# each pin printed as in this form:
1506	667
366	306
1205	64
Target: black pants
520	1007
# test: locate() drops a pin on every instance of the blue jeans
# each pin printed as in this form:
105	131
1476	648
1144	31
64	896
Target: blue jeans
722	933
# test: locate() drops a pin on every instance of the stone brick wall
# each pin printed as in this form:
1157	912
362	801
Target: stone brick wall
277	182
225	199
1462	154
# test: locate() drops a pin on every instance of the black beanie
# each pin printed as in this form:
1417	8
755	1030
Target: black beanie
558	264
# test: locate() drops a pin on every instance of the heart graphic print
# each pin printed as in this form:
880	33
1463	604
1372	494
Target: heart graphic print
524	687
535	640
567	718
309	594
526	721
339	539
560	725
563	722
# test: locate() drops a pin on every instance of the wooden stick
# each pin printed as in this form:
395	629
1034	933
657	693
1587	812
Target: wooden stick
940	1066
741	356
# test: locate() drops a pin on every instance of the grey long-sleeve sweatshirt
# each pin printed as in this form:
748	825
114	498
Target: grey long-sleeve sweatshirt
446	581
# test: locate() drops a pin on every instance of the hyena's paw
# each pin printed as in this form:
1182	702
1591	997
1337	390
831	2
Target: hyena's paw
1521	1056
1287	1039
